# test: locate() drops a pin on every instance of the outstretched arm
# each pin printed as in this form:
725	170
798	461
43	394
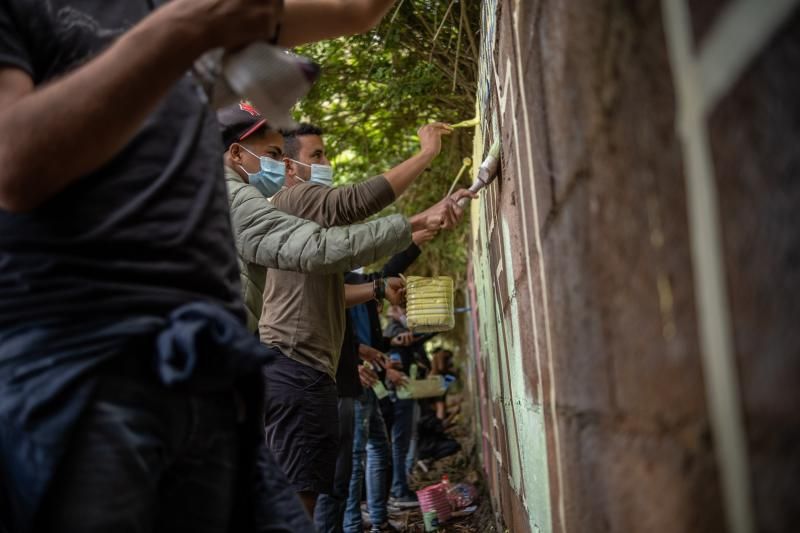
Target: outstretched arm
308	21
138	69
268	237
430	139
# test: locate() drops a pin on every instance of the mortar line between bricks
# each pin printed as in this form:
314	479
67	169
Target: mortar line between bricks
549	162
543	279
737	36
716	338
506	91
515	341
557	206
503	97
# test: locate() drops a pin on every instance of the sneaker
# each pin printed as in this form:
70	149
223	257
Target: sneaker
386	527
408	501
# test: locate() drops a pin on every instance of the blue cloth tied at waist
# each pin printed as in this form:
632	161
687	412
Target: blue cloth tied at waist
48	373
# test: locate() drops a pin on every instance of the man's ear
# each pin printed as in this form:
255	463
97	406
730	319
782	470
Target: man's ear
235	152
291	169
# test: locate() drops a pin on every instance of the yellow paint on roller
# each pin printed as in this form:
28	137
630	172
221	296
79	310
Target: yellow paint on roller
429	304
471	123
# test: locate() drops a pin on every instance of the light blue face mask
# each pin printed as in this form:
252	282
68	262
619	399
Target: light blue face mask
322	174
270	177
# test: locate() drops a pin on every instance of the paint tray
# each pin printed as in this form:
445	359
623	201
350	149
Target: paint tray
416	389
429	304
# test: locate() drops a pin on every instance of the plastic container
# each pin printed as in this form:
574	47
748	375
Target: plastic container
429	387
416	389
379	388
434	498
429	304
431	521
462	495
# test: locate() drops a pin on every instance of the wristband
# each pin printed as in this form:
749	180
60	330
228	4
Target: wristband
379	289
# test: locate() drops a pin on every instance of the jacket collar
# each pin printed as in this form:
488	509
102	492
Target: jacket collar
232	175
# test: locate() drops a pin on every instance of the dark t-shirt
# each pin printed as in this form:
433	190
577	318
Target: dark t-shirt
147	232
109	257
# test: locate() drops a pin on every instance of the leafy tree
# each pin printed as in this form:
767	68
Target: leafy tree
376	90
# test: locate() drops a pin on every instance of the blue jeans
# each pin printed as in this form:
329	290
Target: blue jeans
144	458
370	439
329	512
411	456
401	438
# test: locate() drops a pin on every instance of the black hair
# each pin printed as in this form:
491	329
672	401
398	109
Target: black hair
261	132
291	146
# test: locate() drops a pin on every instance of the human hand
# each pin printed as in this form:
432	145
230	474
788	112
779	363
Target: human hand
441	215
396	291
430	137
450	208
431	220
367	376
403	339
461	197
399	379
397	365
373	356
424	235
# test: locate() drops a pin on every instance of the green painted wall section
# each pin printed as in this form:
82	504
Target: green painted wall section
512	420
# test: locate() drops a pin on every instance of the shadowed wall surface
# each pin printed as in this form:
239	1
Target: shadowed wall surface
615	390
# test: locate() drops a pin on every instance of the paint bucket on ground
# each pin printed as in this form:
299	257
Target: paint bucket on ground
429	304
434	498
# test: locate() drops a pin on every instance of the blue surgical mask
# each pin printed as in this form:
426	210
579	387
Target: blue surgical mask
270	177
322	174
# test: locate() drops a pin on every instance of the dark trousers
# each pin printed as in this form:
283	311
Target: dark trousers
402	431
329	513
145	458
302	423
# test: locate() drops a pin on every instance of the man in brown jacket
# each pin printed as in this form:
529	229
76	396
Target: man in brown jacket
303	314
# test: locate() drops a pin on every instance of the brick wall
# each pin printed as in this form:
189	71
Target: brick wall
636	265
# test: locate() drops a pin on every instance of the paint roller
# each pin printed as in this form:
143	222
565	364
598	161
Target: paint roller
487	172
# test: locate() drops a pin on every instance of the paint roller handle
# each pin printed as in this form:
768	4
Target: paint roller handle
462	203
486	173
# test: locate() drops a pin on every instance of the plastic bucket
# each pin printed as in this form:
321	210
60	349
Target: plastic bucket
434	498
429	305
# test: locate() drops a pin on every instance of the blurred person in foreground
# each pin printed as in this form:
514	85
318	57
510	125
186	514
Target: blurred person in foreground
130	386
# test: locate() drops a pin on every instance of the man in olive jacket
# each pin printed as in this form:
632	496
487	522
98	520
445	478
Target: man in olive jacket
267	237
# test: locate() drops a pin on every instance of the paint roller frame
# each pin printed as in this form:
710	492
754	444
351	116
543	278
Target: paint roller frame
487	172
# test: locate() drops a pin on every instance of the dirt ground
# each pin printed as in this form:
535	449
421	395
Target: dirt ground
461	467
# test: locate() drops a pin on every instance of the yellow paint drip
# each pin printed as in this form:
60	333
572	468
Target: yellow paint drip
429	304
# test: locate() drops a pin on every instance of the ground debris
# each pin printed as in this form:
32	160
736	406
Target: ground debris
462	467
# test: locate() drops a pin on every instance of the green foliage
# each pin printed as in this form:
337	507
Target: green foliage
377	89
